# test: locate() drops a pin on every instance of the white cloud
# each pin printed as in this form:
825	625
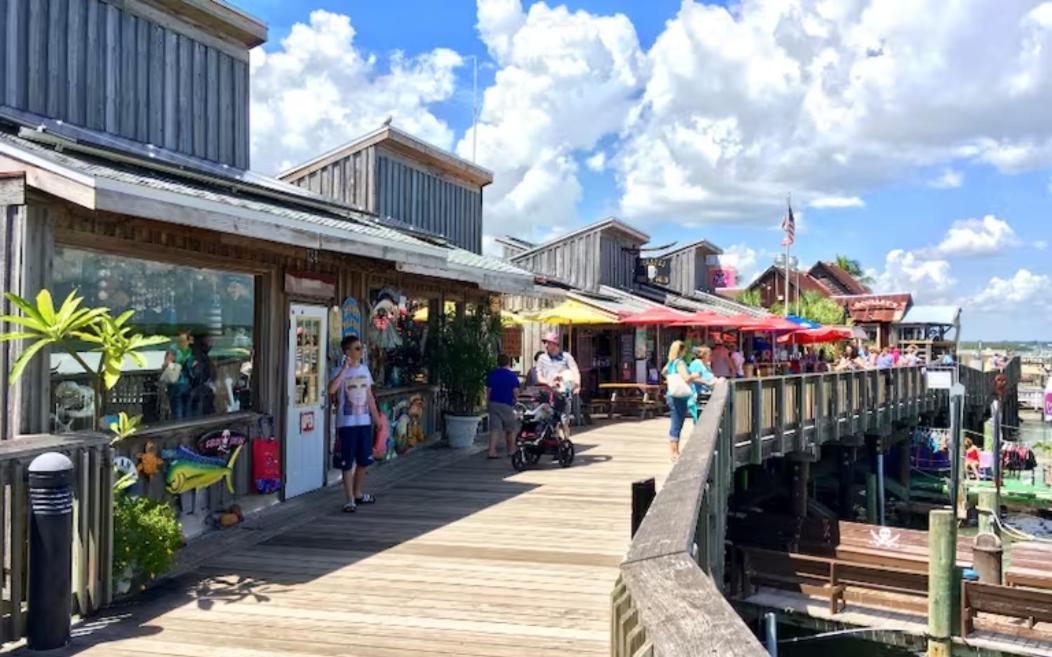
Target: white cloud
1040	245
929	280
948	179
837	202
564	80
977	237
596	162
744	260
1023	291
318	91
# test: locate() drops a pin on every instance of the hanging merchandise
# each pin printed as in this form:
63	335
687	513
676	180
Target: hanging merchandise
184	476
266	463
381	436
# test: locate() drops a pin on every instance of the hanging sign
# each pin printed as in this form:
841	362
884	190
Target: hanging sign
722	276
220	442
352	317
653	270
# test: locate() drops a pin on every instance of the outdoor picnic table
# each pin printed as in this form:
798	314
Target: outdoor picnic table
647	398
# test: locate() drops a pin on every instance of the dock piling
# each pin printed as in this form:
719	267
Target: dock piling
942	546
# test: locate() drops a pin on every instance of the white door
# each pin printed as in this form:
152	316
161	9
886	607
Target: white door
307	383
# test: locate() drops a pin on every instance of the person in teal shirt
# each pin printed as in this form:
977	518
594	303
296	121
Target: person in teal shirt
701	378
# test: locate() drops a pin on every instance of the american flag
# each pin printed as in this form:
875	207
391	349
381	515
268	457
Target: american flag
789	226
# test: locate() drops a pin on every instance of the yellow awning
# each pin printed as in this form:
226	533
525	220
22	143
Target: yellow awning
507	318
572	312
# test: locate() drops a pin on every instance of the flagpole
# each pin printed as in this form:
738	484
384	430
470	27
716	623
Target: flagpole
788	206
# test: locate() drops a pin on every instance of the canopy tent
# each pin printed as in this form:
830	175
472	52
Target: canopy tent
818	335
572	312
803	321
659	315
770	325
703	318
507	317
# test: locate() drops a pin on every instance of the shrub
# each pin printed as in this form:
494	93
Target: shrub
146	535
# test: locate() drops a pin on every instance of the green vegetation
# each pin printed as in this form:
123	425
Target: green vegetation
146	535
750	298
41	325
461	353
853	267
815	307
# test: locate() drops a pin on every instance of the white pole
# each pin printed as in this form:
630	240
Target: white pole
785	305
474	107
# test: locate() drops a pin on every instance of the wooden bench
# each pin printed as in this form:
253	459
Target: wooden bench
836	580
1010	603
1029	565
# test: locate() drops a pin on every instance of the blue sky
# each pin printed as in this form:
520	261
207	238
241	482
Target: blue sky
903	147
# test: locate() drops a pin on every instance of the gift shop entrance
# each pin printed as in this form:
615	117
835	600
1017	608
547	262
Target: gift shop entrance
305	435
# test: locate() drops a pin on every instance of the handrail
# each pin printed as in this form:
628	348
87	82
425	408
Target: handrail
668	601
92	460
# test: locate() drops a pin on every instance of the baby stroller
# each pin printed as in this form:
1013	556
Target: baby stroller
540	430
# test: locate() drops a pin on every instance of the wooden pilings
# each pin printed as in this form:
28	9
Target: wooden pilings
942	580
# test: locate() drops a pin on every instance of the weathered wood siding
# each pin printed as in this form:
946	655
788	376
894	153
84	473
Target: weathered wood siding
683	271
128	70
575	260
350	180
618	254
434	203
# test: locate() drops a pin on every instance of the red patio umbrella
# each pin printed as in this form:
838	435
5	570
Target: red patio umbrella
771	324
659	315
816	336
702	318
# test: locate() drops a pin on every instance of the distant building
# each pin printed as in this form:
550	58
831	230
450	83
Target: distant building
836	279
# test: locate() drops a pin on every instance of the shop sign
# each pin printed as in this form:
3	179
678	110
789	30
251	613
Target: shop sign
352	317
653	270
309	284
722	276
220	442
306	421
511	341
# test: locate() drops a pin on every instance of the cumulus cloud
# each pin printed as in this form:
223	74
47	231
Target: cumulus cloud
1040	245
318	91
948	179
1024	290
564	80
744	259
977	237
596	162
837	202
929	280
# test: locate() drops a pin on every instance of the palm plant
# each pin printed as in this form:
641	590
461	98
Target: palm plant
750	298
41	325
854	267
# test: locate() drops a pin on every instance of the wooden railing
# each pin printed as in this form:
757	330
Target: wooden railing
980	386
668	600
92	523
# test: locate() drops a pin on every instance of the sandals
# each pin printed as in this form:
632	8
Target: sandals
366	498
350	507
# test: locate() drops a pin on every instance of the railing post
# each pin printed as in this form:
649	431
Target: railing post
820	409
756	402
942	543
643	493
837	403
801	416
779	405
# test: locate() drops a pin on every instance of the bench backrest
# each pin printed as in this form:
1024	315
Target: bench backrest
1007	601
895	539
757	561
882	577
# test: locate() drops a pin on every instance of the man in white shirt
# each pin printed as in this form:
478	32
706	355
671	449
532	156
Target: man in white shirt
558	369
722	365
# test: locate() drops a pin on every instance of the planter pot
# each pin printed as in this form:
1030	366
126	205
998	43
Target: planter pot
461	430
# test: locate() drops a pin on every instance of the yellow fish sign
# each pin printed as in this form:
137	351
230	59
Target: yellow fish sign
185	476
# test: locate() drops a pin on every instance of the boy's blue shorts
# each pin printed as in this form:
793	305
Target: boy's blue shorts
353	445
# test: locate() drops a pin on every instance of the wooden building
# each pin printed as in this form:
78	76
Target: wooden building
109	195
772	289
933	330
689	268
836	279
397	176
879	315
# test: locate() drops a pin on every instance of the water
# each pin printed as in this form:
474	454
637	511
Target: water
835	645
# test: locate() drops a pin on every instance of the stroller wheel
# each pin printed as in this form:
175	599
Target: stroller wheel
532	457
518	460
566	453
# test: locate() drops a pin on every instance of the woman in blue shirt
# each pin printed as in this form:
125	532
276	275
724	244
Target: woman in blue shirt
701	378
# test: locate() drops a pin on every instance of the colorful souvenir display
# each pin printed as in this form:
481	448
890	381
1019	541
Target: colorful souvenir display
188	475
149	463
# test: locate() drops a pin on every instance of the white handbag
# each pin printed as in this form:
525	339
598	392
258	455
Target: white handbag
171	374
678	387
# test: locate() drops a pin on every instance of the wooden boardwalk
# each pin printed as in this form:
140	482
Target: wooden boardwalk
469	558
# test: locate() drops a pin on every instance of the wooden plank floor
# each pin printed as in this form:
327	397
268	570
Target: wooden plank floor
467	559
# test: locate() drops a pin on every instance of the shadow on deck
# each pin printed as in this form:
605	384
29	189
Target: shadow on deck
463	557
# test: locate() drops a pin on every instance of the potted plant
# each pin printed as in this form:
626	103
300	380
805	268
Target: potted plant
462	355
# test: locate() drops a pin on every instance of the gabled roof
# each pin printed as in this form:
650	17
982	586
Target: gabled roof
943	315
848	282
398	140
700	244
610	223
797	278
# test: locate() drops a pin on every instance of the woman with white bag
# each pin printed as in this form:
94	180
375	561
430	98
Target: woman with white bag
679	393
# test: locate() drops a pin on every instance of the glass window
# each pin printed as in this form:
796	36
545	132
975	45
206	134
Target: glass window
308	354
396	338
209	314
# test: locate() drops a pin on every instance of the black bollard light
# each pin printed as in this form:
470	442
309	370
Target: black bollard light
50	551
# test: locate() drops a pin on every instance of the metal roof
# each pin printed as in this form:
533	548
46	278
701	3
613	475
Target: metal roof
341	223
945	315
609	222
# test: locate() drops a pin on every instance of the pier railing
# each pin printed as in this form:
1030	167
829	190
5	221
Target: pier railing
92	523
668	600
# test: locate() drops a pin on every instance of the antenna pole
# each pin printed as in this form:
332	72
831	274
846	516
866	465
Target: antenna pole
474	107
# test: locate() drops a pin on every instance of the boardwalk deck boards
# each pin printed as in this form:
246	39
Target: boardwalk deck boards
466	559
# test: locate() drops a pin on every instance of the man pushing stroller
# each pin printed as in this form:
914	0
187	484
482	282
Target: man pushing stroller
557	369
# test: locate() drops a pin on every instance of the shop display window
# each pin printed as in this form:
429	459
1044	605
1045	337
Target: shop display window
205	370
396	337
